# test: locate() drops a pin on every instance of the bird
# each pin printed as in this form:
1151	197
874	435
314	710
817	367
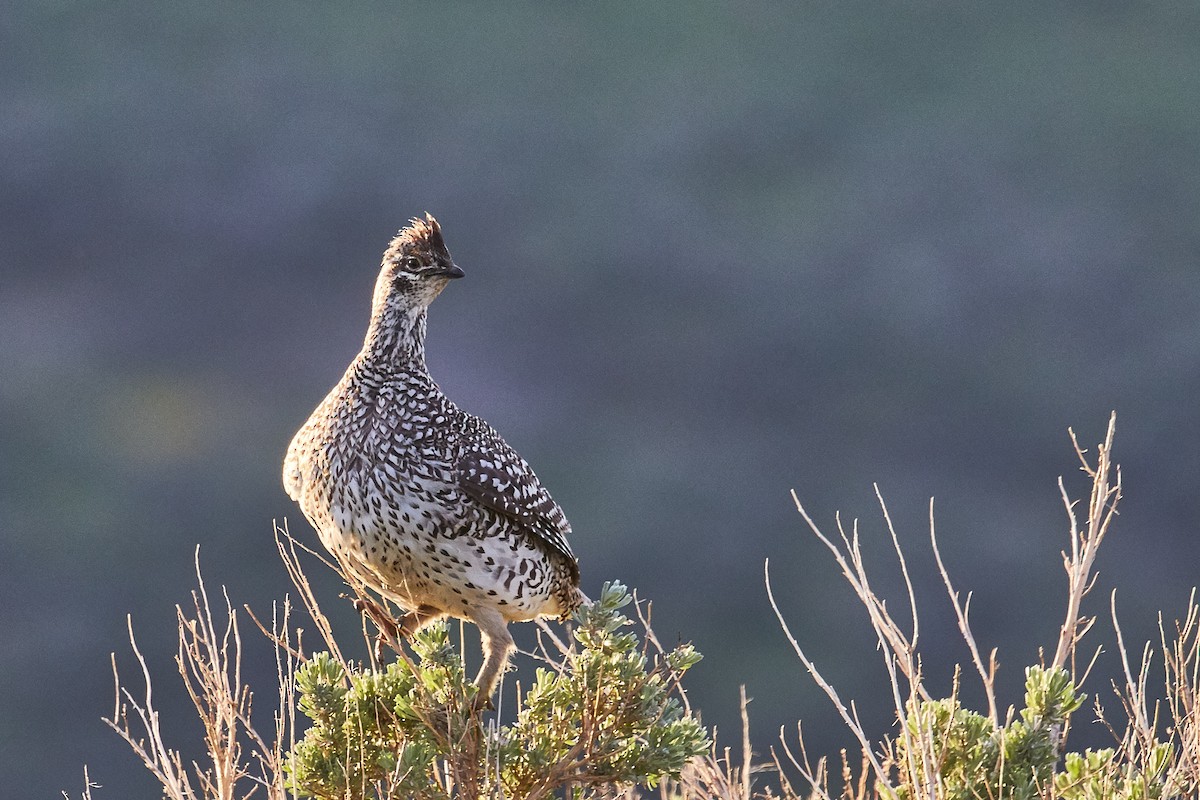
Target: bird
424	502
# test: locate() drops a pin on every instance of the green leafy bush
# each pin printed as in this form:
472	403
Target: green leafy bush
605	715
1014	761
610	717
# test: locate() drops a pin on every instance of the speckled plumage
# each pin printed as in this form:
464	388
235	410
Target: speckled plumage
425	502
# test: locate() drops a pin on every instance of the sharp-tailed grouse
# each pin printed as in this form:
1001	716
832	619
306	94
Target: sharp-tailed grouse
423	501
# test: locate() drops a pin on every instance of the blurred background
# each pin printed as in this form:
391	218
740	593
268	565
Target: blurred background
714	253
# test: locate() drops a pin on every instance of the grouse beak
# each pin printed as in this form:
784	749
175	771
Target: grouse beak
451	270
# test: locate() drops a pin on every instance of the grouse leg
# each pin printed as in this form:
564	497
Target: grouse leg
391	631
497	647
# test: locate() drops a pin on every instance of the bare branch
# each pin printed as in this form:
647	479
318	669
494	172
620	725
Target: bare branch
830	692
961	610
1102	506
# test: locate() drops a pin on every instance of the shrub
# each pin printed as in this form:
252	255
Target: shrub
606	714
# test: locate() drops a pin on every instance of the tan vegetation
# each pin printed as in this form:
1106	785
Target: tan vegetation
606	716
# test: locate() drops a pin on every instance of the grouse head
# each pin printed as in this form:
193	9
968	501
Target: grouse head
416	267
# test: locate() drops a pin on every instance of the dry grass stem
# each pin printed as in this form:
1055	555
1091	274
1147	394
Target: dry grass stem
962	611
209	662
1102	507
848	718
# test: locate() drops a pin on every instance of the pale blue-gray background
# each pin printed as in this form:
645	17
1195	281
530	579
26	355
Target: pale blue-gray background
714	252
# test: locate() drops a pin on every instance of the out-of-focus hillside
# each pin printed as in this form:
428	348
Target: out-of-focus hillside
713	254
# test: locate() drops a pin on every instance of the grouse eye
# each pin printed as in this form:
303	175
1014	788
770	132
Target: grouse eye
412	263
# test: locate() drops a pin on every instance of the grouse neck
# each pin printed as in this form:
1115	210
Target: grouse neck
396	340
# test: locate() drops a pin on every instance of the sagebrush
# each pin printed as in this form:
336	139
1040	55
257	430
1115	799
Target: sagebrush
605	715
